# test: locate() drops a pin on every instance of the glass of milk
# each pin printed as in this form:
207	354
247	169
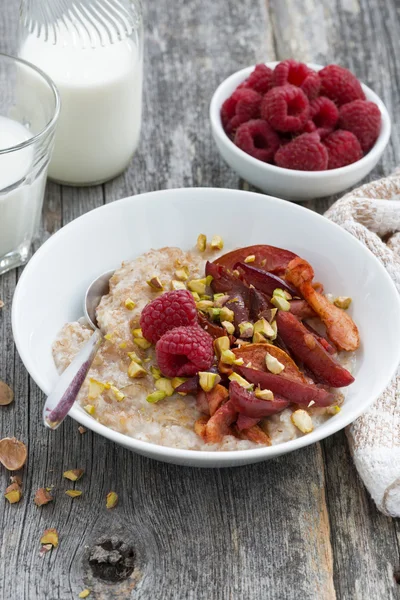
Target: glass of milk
93	51
29	108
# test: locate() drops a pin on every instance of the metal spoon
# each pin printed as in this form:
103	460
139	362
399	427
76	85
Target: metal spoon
61	399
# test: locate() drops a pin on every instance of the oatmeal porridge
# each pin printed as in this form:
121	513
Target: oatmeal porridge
192	377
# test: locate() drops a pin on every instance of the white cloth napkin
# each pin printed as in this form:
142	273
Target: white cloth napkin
372	214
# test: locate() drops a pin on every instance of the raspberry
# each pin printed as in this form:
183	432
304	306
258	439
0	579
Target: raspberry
184	351
286	108
324	113
172	309
363	119
343	149
305	153
298	74
311	127
260	80
258	139
341	86
243	105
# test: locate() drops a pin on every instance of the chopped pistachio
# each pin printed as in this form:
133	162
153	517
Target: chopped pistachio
280	303
142	343
342	302
73	474
258	338
111	500
220	300
164	385
264	328
90	409
229	358
236	273
177	285
133	356
156	396
214	313
196	296
230	328
282	293
302	420
209	279
155	284
275	328
201	242
130	304
177	381
197	285
217	242
84	593
227	314
50	536
333	410
246	329
263	262
119	396
42	497
273	364
273	312
108	337
205	297
136	371
182	274
155	371
137	333
241	381
221	344
13	493
204	305
82	429
249	259
73	493
122	345
208	380
264	394
95	389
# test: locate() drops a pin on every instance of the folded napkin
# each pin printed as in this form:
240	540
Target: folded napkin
372	214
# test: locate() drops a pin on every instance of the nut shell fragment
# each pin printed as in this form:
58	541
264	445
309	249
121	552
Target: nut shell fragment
6	394
13	453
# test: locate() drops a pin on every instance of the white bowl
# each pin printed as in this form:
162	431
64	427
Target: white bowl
51	289
289	183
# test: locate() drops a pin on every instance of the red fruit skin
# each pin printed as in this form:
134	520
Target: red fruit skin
343	149
246	403
184	351
261	80
313	355
288	389
244	422
257	138
305	153
362	118
298	74
240	107
340	85
268	258
324	113
262	280
285	108
172	309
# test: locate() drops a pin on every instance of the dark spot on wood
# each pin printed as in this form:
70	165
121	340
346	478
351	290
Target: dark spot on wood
112	560
396	575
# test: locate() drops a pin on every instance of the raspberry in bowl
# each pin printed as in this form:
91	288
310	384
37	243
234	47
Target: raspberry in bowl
299	131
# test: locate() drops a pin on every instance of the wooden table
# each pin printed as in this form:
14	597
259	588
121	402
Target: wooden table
298	527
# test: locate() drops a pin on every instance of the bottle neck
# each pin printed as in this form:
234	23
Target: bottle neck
81	23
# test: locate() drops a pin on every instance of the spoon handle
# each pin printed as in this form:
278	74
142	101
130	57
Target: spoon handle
67	388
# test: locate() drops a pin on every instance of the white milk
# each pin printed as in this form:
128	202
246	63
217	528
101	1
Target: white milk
101	105
20	208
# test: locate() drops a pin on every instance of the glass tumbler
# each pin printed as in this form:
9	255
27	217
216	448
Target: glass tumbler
29	108
93	51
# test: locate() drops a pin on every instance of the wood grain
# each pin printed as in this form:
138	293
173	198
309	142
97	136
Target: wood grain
300	526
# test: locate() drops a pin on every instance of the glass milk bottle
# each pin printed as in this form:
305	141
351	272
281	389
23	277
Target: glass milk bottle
93	51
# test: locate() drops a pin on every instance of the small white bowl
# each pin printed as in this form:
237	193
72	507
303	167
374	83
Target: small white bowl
289	183
51	289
